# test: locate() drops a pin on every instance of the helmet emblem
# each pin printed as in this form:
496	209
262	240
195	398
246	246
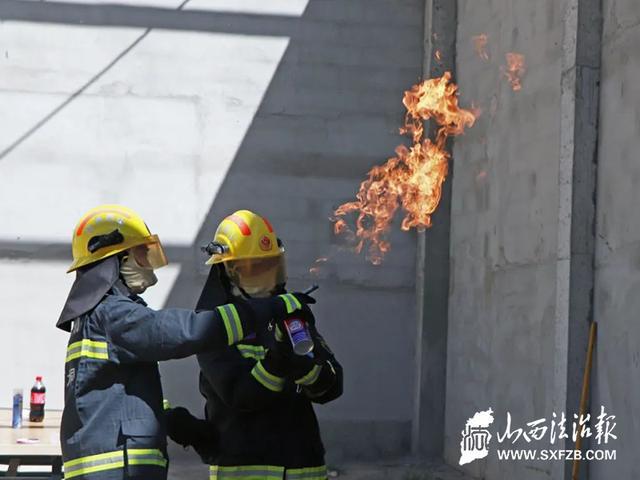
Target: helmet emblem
265	243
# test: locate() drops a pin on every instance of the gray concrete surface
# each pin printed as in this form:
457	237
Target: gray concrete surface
391	469
433	261
617	361
503	228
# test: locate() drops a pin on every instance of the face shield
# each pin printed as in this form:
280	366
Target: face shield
257	277
150	254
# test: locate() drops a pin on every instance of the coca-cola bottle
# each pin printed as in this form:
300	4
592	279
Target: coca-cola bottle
36	413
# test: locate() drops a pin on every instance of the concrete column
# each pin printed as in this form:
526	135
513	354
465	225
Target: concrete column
577	205
432	268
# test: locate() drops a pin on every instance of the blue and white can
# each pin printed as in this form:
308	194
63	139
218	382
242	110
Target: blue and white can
299	335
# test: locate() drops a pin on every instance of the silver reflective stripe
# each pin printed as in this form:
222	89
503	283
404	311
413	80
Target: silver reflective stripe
268	380
148	456
232	323
93	463
291	302
255	352
246	472
89	349
311	377
309	473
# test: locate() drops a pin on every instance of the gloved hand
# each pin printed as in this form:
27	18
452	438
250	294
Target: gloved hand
269	312
187	430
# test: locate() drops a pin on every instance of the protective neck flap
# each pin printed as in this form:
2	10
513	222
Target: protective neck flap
91	284
216	289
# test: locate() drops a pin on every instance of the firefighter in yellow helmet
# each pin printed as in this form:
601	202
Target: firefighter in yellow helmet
113	425
259	395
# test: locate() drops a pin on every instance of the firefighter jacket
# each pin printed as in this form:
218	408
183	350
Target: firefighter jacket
260	406
113	423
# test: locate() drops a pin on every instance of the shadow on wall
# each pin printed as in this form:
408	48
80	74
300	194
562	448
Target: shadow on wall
331	112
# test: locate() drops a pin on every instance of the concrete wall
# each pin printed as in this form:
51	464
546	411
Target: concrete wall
186	115
504	227
617	364
523	234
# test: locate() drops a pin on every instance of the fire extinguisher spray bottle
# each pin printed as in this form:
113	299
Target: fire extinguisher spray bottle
36	413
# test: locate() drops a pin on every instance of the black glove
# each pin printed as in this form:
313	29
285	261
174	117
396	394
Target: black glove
272	310
187	430
321	351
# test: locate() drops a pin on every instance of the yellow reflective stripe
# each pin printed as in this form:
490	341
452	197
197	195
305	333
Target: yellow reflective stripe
294	301
291	302
246	472
113	460
310	473
94	469
87	348
266	379
232	323
279	334
166	404
287	303
311	377
146	456
255	352
93	463
94	458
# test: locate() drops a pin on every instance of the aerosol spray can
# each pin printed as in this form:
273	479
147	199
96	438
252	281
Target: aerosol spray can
16	419
299	332
299	336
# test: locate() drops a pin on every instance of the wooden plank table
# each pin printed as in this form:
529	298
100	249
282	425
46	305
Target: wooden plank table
46	452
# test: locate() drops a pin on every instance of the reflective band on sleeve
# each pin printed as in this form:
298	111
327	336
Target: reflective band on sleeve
112	461
266	379
311	377
88	349
256	352
246	472
291	302
310	473
232	323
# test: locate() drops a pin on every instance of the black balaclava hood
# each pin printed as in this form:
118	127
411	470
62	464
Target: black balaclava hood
216	290
91	284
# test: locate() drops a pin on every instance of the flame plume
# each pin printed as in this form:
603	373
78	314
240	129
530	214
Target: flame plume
514	70
412	180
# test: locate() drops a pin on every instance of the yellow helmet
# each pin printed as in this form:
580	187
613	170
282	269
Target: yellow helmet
251	252
243	235
107	230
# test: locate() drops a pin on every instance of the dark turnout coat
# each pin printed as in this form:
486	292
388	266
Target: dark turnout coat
264	420
261	408
113	423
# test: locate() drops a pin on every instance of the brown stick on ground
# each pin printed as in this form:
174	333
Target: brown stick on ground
585	393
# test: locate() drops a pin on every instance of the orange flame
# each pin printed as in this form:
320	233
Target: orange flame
438	55
412	180
317	265
480	45
514	70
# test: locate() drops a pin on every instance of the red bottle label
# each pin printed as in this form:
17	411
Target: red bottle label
37	398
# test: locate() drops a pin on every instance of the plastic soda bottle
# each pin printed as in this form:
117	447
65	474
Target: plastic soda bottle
36	413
